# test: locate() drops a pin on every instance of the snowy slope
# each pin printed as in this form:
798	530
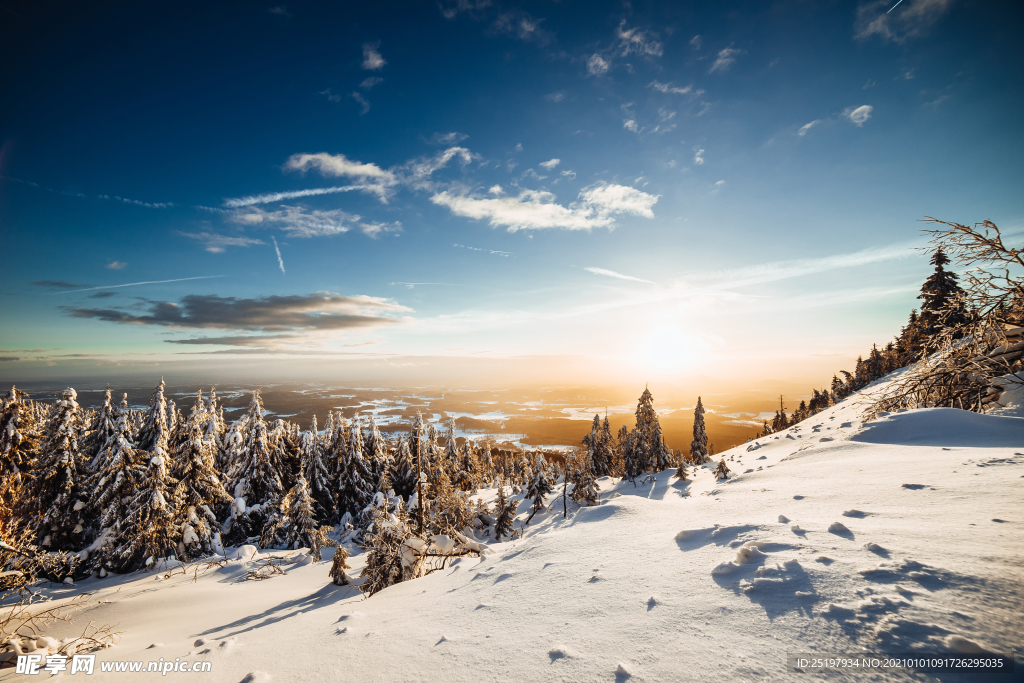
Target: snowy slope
899	535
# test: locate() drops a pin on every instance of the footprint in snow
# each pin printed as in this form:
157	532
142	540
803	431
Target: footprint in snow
876	549
783	519
652	602
798	497
824	560
839	529
556	654
914	487
855	513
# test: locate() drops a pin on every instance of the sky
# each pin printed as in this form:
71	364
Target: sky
482	190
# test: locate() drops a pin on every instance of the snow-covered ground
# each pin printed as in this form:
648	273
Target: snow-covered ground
899	535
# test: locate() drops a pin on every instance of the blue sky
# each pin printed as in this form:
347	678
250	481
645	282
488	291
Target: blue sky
596	190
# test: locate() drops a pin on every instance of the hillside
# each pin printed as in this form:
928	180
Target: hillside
898	535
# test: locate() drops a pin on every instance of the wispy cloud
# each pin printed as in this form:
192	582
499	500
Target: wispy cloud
364	104
316	311
136	202
375	180
297	221
698	157
550	164
859	115
631	125
695	42
910	19
216	244
617	276
555	96
523	26
807	126
635	41
370	82
536	209
725	59
452	138
596	65
372	59
274	197
57	284
668	88
277	250
495	252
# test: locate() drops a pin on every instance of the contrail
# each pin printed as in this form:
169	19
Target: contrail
280	196
894	6
148	282
280	261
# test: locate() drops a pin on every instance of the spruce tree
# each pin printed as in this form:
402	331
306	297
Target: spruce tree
942	298
112	487
254	476
388	557
102	426
699	445
155	430
338	566
505	515
149	531
19	445
316	473
539	486
722	471
402	474
354	485
296	527
199	490
57	490
584	486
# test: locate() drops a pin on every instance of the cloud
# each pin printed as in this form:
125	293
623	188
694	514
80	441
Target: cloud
370	82
550	164
911	19
523	26
555	96
147	282
280	10
102	295
116	265
698	158
725	59
635	41
596	65
277	250
216	244
297	221
57	284
363	102
9	359
452	138
374	230
316	311
630	124
453	9
375	180
136	202
612	273
495	252
695	42
530	172
537	210
417	171
236	340
372	59
274	197
668	88
807	126
859	115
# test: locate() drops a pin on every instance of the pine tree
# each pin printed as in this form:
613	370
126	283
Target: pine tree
338	566
112	486
317	474
722	471
199	490
389	559
57	490
584	486
540	485
155	431
102	427
375	453
402	476
19	444
214	427
699	445
942	298
150	532
295	527
354	488
254	475
505	514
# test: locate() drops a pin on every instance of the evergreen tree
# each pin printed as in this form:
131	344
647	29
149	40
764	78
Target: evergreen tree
390	558
699	445
155	431
199	490
317	474
296	527
60	472
505	515
354	486
102	427
540	485
375	453
584	486
112	486
338	566
19	444
254	476
402	474
722	471
942	298
149	532
214	427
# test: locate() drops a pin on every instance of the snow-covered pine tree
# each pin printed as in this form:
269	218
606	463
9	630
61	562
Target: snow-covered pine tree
465	477
449	513
19	445
452	461
402	475
199	490
230	448
592	441
149	531
722	471
338	566
584	485
375	453
295	527
57	492
317	474
155	430
253	477
355	489
327	437
172	419
505	514
286	451
661	456
388	561
102	427
540	485
699	445
942	298
214	427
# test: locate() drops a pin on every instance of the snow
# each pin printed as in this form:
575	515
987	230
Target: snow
666	580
